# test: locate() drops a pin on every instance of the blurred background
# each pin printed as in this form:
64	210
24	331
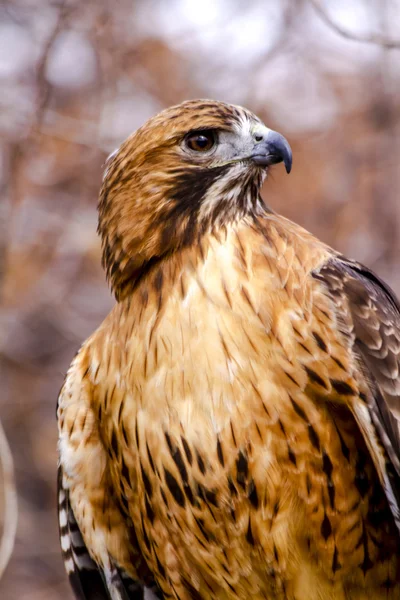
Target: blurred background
77	77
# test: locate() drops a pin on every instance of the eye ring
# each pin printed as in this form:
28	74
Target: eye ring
201	141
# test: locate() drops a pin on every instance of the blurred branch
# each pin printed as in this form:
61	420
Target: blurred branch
24	145
43	86
8	503
54	124
372	38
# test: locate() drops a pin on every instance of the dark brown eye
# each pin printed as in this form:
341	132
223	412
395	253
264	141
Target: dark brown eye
201	141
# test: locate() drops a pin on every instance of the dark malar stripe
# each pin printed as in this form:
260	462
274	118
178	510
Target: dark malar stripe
190	188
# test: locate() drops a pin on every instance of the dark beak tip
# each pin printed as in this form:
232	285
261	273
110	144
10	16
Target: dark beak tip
288	163
273	150
282	148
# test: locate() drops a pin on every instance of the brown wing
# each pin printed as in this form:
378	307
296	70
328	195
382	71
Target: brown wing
84	575
85	528
369	314
87	579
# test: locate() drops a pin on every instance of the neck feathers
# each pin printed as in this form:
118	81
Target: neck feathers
143	222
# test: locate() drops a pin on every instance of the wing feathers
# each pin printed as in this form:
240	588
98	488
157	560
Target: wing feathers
88	581
83	573
369	314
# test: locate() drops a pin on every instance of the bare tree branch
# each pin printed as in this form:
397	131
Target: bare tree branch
372	38
43	87
8	502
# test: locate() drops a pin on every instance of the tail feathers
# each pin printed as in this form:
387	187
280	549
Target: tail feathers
87	579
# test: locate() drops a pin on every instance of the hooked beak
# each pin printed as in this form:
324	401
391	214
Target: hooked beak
272	149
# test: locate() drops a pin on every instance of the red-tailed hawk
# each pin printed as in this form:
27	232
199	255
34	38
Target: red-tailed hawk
230	431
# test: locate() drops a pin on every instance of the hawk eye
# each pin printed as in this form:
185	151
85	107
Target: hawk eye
201	141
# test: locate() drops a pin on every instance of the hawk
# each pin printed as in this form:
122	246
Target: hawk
230	431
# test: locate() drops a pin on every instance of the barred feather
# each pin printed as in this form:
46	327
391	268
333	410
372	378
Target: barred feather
87	580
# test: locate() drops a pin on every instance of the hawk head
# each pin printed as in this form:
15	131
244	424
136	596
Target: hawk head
192	168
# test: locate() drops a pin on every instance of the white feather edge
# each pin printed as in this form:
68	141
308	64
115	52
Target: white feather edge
364	421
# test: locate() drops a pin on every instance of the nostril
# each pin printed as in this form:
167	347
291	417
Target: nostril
258	137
